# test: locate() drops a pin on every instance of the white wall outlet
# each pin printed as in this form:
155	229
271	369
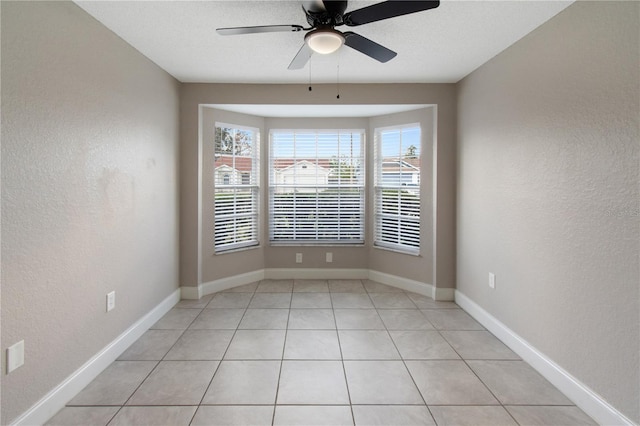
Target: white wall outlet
298	257
329	257
111	300
492	280
15	356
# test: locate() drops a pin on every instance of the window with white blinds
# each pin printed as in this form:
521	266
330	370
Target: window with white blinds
397	188
237	190
316	186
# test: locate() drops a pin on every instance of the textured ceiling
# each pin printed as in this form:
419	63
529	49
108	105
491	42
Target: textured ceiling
442	45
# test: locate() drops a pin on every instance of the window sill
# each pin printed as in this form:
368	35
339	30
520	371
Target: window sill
236	250
299	244
395	250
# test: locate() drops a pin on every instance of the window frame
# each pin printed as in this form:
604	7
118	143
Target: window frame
382	234
345	190
237	186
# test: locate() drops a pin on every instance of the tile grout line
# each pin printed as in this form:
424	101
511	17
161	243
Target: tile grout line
344	369
405	364
222	357
284	345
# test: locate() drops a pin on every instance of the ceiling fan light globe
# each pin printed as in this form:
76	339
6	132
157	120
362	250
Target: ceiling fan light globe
324	41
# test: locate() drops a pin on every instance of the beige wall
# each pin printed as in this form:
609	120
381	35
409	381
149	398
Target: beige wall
233	263
548	194
89	191
418	268
442	95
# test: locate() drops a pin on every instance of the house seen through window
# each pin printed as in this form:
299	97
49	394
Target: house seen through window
236	182
397	188
316	186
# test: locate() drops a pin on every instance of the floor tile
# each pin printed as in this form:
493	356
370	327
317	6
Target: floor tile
311	300
425	302
83	416
346	286
544	415
376	287
451	319
201	345
415	344
313	415
218	319
405	319
152	345
152	416
115	384
351	301
449	383
471	416
516	383
275	286
318	319
265	319
310	286
358	319
230	300
367	344
256	344
390	384
194	303
176	319
312	344
271	300
230	415
244	382
392	301
246	288
175	383
478	345
312	382
384	415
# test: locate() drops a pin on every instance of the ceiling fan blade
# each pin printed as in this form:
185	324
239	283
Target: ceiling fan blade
368	47
259	29
301	58
386	10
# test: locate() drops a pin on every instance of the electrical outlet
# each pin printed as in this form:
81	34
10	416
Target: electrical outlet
298	257
111	301
329	257
15	356
492	280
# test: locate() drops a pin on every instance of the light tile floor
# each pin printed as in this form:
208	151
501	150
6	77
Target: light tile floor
315	352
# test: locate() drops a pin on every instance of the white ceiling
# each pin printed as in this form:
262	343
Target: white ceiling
441	45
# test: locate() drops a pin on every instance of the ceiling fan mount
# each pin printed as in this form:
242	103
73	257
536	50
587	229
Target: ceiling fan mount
324	15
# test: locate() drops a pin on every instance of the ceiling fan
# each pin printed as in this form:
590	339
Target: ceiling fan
324	16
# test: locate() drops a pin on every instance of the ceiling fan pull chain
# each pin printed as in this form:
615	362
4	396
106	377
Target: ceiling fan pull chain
310	88
338	79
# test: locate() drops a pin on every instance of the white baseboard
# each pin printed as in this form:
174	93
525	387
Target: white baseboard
584	398
443	294
230	282
194	293
56	399
315	274
403	283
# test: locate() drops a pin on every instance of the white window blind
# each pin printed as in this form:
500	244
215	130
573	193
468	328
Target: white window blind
316	186
397	188
237	191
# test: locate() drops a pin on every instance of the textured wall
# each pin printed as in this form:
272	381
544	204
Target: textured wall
548	193
89	191
442	95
